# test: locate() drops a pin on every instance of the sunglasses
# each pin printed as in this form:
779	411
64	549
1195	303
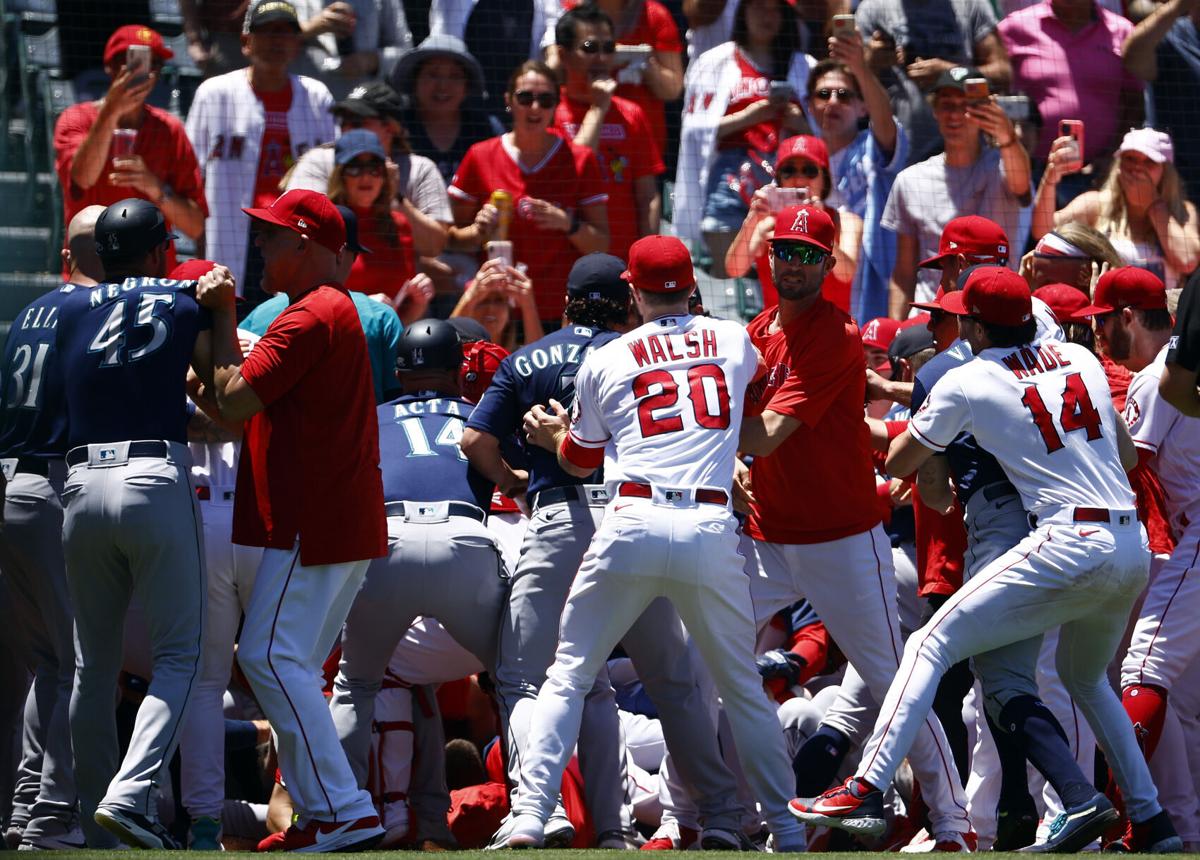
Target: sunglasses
373	168
808	171
593	47
843	94
798	252
544	100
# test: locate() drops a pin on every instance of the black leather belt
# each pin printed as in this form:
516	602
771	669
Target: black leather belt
573	493
32	466
998	491
454	509
152	448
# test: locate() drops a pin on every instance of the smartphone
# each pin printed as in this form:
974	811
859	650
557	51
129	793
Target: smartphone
779	199
1073	128
781	91
843	26
635	54
1015	108
976	89
499	249
137	62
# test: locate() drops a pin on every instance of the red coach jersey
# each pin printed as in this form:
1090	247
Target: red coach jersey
569	177
627	152
310	460
819	484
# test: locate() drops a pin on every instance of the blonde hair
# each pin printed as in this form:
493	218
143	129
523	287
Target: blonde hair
381	205
1113	217
1091	241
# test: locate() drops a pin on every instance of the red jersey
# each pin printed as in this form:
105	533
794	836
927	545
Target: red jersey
1118	381
568	176
753	86
815	374
941	549
627	152
390	262
310	460
833	289
161	142
275	157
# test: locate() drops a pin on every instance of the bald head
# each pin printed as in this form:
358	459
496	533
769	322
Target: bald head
80	258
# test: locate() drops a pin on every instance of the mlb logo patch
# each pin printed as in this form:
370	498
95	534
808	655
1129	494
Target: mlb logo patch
598	494
674	495
107	454
1124	519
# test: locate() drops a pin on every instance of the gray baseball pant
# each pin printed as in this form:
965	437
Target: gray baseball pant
131	531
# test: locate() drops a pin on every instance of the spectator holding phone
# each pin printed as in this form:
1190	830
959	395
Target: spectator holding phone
119	147
1041	41
490	298
742	97
801	177
983	171
864	162
1141	208
556	198
362	181
615	128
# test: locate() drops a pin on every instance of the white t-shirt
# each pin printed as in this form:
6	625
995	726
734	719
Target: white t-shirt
1045	413
1172	437
665	402
420	180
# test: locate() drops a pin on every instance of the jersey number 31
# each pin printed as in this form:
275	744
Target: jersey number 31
1078	413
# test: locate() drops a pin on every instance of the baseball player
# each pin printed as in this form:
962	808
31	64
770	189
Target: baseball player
309	492
1178	383
131	526
1133	326
564	518
442	562
33	443
806	417
1043	410
660	407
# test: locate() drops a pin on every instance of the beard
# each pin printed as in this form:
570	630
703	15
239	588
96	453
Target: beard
1117	343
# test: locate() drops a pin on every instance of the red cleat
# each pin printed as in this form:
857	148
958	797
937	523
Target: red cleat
323	836
854	807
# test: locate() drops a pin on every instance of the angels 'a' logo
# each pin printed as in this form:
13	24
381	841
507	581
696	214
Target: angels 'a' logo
800	222
1133	413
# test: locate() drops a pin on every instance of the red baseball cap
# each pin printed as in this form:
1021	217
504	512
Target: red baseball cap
805	224
1126	287
1064	301
803	146
979	239
481	360
933	305
660	264
880	332
309	213
126	37
993	294
191	270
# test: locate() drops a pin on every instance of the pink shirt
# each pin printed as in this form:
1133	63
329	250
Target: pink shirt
1070	75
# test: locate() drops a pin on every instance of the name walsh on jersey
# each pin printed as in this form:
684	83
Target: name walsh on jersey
657	348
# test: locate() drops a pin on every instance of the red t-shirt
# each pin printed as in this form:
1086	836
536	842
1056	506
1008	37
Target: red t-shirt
1118	381
275	157
390	262
161	142
833	289
568	176
310	460
753	86
815	374
941	549
627	153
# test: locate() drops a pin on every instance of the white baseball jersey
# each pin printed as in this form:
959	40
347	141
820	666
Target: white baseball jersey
1045	412
1172	437
665	403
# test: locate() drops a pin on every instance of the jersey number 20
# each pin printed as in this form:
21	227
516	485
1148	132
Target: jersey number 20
1078	413
706	390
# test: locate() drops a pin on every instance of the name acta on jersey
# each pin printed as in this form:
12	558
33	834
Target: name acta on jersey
107	292
435	406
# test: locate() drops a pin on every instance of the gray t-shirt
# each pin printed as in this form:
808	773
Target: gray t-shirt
945	29
420	180
927	196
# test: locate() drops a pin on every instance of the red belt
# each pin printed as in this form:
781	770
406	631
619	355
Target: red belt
643	491
1092	515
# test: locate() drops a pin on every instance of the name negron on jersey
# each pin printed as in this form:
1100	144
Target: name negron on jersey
1027	361
657	348
107	292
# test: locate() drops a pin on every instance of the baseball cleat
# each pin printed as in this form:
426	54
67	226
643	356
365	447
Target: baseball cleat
854	807
672	836
1015	830
71	840
1076	827
1156	836
205	834
617	840
559	832
947	841
319	837
521	831
134	829
720	839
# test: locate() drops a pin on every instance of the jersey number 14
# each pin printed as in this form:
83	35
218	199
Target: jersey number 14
1077	413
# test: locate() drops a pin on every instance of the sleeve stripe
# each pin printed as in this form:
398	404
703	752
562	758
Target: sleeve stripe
587	443
455	191
595	198
925	440
578	455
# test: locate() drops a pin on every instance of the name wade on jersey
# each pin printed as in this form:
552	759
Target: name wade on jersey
658	348
1027	361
